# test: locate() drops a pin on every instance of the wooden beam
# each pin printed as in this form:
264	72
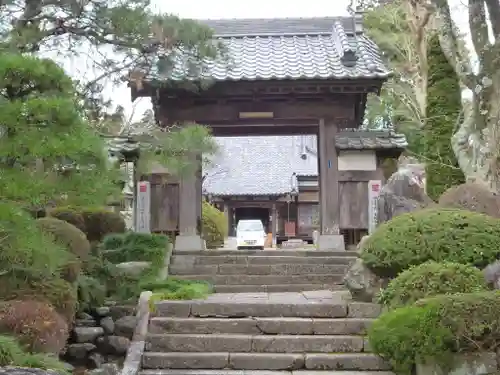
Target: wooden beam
358	176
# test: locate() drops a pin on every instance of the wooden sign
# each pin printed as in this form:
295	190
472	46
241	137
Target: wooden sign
374	187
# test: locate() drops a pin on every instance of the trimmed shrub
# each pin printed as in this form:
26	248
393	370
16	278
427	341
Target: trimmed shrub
70	215
432	234
436	328
135	247
35	324
91	292
214	226
25	250
71	238
472	196
59	293
444	104
430	279
100	222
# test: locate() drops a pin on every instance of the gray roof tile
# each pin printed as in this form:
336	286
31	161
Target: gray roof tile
370	140
304	48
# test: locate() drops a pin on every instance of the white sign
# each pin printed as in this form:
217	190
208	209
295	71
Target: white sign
143	216
374	187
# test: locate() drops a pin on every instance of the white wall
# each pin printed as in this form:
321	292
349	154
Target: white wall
364	160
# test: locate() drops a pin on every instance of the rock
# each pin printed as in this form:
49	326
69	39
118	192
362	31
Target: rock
105	369
79	351
103	311
133	268
363	284
108	325
87	334
114	345
85	323
84	316
126	326
95	360
359	247
404	192
492	274
11	370
472	196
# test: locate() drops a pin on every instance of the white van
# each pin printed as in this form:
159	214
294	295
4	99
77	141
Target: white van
250	234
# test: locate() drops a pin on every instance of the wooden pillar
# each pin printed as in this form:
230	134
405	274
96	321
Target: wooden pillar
274	223
329	188
227	214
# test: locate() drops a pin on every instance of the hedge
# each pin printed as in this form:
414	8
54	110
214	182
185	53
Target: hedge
431	279
436	328
444	104
214	226
437	234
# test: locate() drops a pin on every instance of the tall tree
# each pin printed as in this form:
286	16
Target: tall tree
443	112
476	143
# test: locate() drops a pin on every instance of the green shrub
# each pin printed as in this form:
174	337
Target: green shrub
44	362
91	292
70	215
35	324
177	289
430	279
437	327
59	293
25	251
214	226
433	234
10	351
135	247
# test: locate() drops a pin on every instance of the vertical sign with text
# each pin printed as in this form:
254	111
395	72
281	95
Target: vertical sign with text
374	187
143	217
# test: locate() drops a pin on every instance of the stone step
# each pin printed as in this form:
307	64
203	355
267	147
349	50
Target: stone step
258	269
296	253
260	372
202	260
255	326
242	305
254	343
267	279
264	361
274	288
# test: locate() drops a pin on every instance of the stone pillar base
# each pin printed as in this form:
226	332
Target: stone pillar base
191	242
331	242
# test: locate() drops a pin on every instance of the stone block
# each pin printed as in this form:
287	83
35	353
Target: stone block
285	326
189	243
203	326
331	242
198	343
172	308
266	361
342	326
363	310
185	360
345	361
304	344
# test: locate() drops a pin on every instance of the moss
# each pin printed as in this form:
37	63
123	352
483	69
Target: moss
177	289
35	324
443	111
70	215
135	247
433	234
214	226
430	279
436	328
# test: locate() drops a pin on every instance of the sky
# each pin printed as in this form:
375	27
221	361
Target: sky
216	9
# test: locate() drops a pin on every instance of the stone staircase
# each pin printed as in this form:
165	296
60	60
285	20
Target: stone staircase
232	271
290	333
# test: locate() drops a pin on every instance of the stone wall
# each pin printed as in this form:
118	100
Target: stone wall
101	337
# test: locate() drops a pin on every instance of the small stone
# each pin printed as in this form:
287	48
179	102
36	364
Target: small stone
119	311
126	326
84	316
108	325
133	268
95	360
105	369
87	334
102	311
114	345
363	284
79	351
85	323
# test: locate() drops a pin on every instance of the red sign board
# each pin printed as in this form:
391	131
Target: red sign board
290	228
143	188
375	188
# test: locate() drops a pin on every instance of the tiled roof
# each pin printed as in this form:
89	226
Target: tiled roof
369	140
259	165
294	48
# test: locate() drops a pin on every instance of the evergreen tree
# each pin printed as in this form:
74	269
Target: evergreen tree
443	111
